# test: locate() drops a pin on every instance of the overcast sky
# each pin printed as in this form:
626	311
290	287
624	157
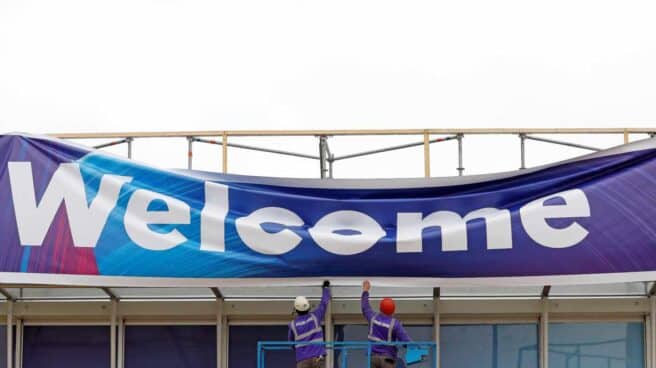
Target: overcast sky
121	65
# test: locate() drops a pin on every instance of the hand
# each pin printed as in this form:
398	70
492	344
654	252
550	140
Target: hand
366	285
326	284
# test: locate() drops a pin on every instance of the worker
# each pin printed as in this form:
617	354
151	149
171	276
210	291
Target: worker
383	327
306	330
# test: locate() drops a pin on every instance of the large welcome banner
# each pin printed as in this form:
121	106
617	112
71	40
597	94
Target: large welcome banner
69	214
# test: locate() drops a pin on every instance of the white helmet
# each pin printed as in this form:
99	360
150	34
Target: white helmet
301	304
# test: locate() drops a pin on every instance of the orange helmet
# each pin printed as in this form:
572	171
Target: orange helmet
387	306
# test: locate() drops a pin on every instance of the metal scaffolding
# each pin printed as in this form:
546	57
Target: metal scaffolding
327	158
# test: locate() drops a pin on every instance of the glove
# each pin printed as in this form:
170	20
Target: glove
326	284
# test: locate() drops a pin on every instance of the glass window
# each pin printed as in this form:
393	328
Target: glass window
290	292
66	346
489	346
461	292
592	345
170	346
607	290
345	358
243	341
61	293
163	293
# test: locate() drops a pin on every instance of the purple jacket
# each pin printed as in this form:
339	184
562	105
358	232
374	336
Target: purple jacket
307	328
382	328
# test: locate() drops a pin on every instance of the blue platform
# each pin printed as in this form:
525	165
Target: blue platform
416	354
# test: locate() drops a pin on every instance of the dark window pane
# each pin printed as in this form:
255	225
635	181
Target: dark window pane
66	346
3	345
243	347
170	346
489	346
592	345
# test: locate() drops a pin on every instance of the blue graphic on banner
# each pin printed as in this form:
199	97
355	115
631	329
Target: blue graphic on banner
81	212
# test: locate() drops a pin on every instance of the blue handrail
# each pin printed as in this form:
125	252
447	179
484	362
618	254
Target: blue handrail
345	346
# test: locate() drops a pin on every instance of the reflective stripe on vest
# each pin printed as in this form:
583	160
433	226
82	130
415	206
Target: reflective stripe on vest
306	343
317	328
390	329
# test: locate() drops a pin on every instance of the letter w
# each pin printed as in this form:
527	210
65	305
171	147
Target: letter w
66	184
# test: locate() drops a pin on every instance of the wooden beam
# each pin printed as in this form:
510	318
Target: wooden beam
238	133
224	146
264	133
426	154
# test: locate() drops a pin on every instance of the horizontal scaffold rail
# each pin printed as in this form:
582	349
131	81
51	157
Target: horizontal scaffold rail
347	132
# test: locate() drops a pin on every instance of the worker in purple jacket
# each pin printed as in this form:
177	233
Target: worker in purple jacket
383	327
306	328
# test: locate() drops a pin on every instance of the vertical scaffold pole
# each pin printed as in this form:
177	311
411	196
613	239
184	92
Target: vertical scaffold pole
522	140
129	140
626	136
190	151
460	168
323	158
330	165
427	154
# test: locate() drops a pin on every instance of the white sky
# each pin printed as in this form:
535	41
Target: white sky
121	65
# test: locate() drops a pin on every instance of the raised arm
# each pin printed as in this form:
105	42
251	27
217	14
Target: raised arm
367	312
320	311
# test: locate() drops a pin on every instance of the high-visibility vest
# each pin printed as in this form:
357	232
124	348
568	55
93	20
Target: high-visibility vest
304	330
380	330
